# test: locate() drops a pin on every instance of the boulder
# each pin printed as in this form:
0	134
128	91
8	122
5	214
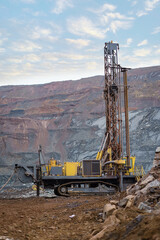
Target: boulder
150	178
156	161
115	202
129	203
108	210
133	188
155	183
130	197
109	225
145	207
123	202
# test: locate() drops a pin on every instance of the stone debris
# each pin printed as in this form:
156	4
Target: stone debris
108	210
115	202
143	196
144	206
25	192
150	178
155	183
109	225
130	197
156	161
132	225
129	204
123	202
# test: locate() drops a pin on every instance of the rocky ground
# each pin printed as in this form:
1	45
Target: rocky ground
134	214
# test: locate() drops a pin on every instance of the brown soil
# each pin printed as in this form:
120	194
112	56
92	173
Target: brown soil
44	218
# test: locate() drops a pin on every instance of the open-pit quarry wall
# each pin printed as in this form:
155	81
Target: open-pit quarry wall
67	119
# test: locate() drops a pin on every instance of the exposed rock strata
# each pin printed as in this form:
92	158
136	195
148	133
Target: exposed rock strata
67	118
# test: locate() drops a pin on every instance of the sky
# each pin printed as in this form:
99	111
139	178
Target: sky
54	40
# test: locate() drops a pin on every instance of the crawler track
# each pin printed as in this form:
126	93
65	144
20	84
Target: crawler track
84	187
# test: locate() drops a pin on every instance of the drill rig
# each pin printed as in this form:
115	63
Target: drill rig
111	151
110	169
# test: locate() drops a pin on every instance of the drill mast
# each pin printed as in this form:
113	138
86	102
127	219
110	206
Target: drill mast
112	96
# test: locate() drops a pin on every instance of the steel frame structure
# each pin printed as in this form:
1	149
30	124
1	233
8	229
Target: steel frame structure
112	96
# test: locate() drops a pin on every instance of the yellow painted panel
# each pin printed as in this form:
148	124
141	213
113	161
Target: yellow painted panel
70	168
133	159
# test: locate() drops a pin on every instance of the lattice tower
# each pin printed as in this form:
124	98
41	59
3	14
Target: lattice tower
112	96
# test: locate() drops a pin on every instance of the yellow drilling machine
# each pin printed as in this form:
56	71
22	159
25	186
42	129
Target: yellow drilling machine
111	170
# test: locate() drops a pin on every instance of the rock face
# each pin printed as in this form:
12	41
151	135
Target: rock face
156	161
67	119
145	135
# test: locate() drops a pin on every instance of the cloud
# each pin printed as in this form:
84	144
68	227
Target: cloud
116	15
148	6
141	13
136	62
112	20
84	27
128	43
134	3
92	65
79	43
26	46
40	32
142	52
151	4
15	60
116	21
61	5
116	25
75	56
95	49
156	30
49	56
105	7
45	33
38	13
32	58
144	42
55	27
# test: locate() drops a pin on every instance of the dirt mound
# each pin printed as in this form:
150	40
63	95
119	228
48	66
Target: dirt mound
137	213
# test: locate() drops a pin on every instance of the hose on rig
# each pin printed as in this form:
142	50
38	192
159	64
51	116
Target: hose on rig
8	180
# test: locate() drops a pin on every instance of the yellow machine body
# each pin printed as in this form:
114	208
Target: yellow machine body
53	163
133	159
46	168
120	162
132	165
70	168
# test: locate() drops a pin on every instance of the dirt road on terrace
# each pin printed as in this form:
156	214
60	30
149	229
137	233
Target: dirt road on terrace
70	218
56	218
